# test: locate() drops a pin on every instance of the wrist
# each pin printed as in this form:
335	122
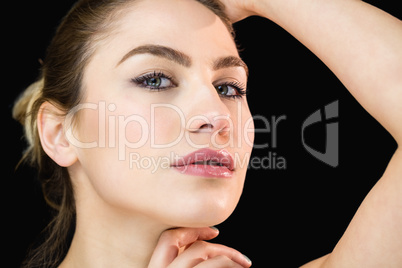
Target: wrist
262	8
274	10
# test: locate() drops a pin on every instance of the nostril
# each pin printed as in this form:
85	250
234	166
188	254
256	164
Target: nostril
207	126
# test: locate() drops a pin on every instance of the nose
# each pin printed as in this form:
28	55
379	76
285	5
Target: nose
209	114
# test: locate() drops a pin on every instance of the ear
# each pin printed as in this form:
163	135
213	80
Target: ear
50	124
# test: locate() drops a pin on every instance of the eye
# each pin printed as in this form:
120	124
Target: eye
225	90
231	90
155	81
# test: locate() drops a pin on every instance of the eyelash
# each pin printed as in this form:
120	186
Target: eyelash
139	81
238	87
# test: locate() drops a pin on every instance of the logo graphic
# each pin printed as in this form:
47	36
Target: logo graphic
331	154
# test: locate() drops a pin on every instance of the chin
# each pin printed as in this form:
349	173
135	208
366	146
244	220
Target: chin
203	212
201	220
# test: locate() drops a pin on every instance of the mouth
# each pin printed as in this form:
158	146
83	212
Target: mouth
206	163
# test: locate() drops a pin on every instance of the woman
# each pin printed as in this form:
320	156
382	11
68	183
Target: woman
154	91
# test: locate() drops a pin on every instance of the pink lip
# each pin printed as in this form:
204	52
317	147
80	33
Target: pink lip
206	163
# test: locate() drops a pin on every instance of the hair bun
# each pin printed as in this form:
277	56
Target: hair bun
23	107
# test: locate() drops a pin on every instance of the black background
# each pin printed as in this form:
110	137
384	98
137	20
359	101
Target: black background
285	217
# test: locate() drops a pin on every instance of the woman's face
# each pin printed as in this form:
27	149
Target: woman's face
163	130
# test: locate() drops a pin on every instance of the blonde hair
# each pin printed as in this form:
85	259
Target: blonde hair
22	108
60	84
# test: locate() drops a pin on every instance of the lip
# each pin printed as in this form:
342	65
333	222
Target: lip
206	163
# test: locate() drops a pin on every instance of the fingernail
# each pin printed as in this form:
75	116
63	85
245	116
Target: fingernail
214	228
247	259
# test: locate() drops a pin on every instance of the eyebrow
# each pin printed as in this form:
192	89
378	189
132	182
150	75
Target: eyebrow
229	61
181	58
159	51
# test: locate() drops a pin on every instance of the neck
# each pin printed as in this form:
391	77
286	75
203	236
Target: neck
106	236
131	245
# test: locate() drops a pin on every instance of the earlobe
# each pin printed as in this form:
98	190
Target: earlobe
50	124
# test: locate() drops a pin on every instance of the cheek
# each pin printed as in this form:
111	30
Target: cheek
115	132
248	130
167	125
243	131
112	127
106	133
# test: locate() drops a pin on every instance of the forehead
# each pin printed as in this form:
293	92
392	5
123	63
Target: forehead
186	25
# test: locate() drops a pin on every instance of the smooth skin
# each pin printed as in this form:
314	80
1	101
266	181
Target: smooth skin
362	46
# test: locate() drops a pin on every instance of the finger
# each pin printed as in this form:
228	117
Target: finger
201	251
218	262
172	240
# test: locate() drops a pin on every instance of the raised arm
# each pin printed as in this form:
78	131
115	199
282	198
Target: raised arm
362	45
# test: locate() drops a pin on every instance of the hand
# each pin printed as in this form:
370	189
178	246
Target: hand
184	247
240	9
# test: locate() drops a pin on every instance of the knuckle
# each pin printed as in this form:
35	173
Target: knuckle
201	245
167	235
223	258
